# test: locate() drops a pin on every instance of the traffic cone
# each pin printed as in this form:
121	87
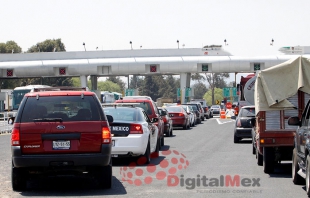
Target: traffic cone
222	115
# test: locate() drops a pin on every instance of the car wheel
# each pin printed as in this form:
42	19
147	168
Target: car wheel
259	158
268	156
18	179
147	153
308	176
236	139
185	126
297	179
104	176
203	118
171	132
253	147
162	142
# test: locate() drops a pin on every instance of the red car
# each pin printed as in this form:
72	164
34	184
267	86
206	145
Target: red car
179	117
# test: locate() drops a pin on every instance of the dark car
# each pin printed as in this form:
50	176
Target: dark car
167	120
208	112
179	116
61	133
198	111
301	155
243	125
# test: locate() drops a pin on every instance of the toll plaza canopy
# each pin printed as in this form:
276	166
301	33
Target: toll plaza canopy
274	85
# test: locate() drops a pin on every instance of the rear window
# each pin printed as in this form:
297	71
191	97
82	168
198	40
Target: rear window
68	108
174	109
124	114
247	112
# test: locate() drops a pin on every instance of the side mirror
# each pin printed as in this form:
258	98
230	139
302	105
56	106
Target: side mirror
294	121
154	119
163	113
11	120
253	122
110	118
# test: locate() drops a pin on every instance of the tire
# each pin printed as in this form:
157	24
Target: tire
185	127
268	156
236	139
162	142
308	176
253	147
259	157
171	132
18	179
297	179
104	176
147	153
203	118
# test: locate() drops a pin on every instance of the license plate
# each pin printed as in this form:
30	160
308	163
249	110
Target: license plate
114	155
61	145
113	142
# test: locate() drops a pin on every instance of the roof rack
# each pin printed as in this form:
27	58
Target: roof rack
64	88
120	104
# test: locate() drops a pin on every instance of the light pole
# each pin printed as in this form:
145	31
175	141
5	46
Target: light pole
225	42
130	44
178	43
84	46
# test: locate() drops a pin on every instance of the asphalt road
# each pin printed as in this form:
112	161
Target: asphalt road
200	162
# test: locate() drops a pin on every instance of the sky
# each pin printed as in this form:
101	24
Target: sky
247	25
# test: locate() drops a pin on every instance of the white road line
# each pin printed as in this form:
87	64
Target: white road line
223	121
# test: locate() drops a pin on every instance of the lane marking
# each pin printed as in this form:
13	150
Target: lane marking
224	121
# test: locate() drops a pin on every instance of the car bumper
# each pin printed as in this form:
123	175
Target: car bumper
130	145
243	132
47	160
178	122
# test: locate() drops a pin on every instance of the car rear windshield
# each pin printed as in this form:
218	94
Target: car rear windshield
124	114
247	112
174	109
66	108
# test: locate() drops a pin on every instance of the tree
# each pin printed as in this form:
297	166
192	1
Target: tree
214	80
118	80
217	94
10	47
49	45
199	90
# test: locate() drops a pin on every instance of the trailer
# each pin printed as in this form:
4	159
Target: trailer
280	92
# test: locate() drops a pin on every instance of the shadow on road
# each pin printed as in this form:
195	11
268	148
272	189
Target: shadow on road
71	186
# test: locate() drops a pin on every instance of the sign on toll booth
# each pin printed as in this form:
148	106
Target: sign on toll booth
231	93
130	92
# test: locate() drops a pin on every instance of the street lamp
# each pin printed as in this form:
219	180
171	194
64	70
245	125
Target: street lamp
130	44
178	43
225	42
84	46
271	42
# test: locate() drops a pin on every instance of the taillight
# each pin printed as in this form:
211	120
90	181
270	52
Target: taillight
15	137
181	114
136	129
238	123
106	135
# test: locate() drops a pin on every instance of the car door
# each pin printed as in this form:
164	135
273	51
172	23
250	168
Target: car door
153	131
303	130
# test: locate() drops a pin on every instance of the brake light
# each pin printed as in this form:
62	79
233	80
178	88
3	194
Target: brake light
238	123
136	129
181	114
106	135
15	137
